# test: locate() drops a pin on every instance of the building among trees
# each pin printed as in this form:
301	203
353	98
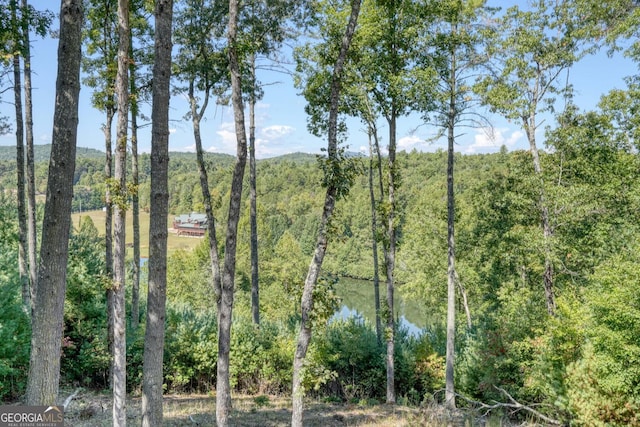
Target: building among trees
192	224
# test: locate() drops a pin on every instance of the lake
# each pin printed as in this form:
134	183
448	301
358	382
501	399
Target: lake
358	300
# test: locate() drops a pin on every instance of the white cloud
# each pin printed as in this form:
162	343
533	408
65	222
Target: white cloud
276	131
487	139
409	142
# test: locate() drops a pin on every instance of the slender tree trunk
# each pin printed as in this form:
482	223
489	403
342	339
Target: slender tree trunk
306	303
119	256
450	396
374	242
214	259
47	322
108	229
255	285
22	210
135	200
547	232
390	261
30	171
223	388
156	301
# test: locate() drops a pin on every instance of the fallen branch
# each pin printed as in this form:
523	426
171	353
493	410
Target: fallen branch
68	400
513	404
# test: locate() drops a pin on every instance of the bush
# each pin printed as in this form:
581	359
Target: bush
15	341
191	349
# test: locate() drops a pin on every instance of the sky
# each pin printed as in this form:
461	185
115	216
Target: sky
280	117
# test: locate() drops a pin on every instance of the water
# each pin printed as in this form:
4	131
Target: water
358	300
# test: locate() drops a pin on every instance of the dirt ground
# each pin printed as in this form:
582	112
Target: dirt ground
94	410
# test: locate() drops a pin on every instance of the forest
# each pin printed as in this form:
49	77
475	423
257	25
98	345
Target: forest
523	264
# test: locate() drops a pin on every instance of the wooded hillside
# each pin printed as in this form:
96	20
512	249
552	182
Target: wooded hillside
508	340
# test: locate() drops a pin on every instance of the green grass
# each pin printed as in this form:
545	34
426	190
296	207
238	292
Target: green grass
174	241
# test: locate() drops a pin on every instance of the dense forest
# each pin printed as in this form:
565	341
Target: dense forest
581	362
522	264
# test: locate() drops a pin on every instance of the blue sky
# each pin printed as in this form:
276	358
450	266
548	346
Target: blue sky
280	117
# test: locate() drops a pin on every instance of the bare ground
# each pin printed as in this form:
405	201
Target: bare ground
94	410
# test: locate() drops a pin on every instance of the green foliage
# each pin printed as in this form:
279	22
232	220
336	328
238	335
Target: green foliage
15	331
261	358
604	384
15	339
85	354
191	349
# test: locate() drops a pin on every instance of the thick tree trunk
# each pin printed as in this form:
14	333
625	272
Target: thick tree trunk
47	322
156	300
223	388
119	265
30	170
255	285
304	336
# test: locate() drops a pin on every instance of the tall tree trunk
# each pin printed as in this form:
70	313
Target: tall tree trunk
135	200
120	249
306	303
156	300
255	285
374	241
214	259
22	210
450	396
108	228
390	261
547	232
47	322
223	388
30	170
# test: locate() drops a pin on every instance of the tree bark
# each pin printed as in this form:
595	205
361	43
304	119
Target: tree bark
47	322
390	261
255	285
135	200
119	266
374	242
450	396
223	388
306	303
156	300
30	170
214	259
20	168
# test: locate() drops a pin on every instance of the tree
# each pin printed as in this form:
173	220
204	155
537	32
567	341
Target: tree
44	368
453	54
41	22
140	30
120	197
101	41
223	388
156	300
531	52
201	63
22	214
337	180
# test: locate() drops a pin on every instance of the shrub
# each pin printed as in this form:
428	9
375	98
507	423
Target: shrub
15	340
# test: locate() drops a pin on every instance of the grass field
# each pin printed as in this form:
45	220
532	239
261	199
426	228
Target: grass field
174	242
